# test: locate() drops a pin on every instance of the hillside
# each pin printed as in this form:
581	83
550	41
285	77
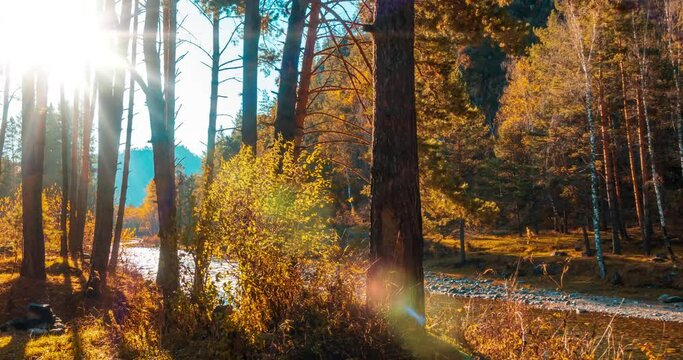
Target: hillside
142	171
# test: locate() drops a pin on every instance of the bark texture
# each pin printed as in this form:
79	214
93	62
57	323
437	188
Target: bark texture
396	276
118	227
64	247
111	86
252	33
306	71
285	119
33	115
161	106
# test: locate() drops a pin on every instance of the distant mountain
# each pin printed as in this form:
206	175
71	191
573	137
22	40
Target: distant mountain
142	171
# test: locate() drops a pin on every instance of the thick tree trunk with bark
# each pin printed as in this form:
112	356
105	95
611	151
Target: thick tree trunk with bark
396	276
73	193
161	106
285	120
118	228
306	71
64	247
252	33
111	85
34	115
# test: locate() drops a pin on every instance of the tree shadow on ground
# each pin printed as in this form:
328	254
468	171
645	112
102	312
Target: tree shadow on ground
62	290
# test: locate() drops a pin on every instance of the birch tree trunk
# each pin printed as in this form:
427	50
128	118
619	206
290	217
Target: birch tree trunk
653	168
595	200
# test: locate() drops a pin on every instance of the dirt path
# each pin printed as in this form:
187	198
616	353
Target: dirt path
552	299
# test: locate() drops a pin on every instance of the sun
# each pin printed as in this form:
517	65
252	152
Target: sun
61	37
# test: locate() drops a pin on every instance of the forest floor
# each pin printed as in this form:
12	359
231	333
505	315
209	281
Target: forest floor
93	326
121	323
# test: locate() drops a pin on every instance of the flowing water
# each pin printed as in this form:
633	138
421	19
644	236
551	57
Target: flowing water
145	261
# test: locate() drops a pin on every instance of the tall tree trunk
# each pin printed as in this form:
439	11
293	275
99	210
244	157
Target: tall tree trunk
161	106
396	275
202	258
306	71
77	228
595	200
252	33
118	228
653	168
671	24
111	84
645	173
637	195
6	99
64	247
614	150
73	190
285	119
463	258
33	115
609	174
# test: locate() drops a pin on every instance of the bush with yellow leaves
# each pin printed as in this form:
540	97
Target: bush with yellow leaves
294	291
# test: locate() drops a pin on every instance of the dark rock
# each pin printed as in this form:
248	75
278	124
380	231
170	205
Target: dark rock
669	299
557	253
39	318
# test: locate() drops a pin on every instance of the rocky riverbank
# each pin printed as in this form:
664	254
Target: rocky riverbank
551	299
